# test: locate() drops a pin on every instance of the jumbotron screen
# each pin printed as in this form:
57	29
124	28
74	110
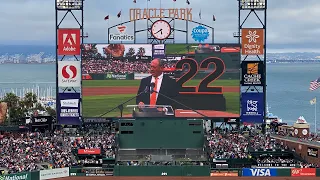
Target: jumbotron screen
206	78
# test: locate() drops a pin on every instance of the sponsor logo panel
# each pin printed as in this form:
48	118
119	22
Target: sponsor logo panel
69	42
69	105
252	41
303	172
54	173
69	74
259	172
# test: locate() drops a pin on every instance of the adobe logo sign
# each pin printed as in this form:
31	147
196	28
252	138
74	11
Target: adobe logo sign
69	42
69	74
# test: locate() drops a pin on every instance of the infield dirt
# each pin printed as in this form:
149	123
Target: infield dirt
94	91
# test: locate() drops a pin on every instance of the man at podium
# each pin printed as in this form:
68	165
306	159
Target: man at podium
162	83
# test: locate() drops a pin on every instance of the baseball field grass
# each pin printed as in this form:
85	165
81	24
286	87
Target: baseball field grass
107	94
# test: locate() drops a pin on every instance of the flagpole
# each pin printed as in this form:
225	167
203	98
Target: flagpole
315	117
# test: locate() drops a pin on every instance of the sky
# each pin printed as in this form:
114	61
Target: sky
292	25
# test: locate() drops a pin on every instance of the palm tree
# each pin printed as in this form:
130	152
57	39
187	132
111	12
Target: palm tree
14	109
30	99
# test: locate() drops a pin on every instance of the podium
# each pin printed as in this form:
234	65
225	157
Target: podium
151	110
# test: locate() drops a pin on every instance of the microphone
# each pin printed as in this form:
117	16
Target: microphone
152	85
120	106
171	99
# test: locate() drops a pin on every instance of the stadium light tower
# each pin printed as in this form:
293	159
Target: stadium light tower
246	9
68	42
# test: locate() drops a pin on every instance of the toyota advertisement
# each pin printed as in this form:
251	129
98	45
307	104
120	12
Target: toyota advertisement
69	74
69	105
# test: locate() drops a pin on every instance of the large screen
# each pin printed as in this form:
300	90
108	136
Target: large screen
206	77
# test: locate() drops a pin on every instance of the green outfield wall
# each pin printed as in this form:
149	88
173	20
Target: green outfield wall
162	171
161	133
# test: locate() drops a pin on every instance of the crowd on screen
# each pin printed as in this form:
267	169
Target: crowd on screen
29	151
118	66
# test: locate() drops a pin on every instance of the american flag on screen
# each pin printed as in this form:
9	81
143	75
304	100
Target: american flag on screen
314	84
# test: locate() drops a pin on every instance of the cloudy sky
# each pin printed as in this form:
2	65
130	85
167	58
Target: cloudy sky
292	25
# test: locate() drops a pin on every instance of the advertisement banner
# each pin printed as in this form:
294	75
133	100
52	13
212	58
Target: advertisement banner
276	165
41	120
54	173
69	73
252	73
69	105
313	152
252	107
121	35
116	76
69	42
89	151
259	172
230	174
303	172
19	176
252	41
159	51
200	33
141	75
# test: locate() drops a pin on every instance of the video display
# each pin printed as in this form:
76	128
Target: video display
198	77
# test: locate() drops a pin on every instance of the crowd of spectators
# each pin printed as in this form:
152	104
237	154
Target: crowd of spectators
227	145
118	66
263	142
31	150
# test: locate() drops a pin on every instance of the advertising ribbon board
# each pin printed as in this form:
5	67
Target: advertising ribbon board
276	165
252	73
19	176
116	76
54	173
259	172
220	174
303	172
89	151
141	75
68	111
159	51
252	107
313	152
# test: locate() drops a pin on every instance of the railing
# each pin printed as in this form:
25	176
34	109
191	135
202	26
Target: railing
163	171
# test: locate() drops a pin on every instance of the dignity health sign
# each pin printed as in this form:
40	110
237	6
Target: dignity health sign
252	107
69	105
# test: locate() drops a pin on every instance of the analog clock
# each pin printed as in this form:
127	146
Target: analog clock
161	29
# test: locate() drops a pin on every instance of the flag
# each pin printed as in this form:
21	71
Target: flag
313	101
314	84
213	18
200	14
106	18
188	2
119	14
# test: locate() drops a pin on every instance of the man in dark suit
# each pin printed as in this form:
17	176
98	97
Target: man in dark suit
163	84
